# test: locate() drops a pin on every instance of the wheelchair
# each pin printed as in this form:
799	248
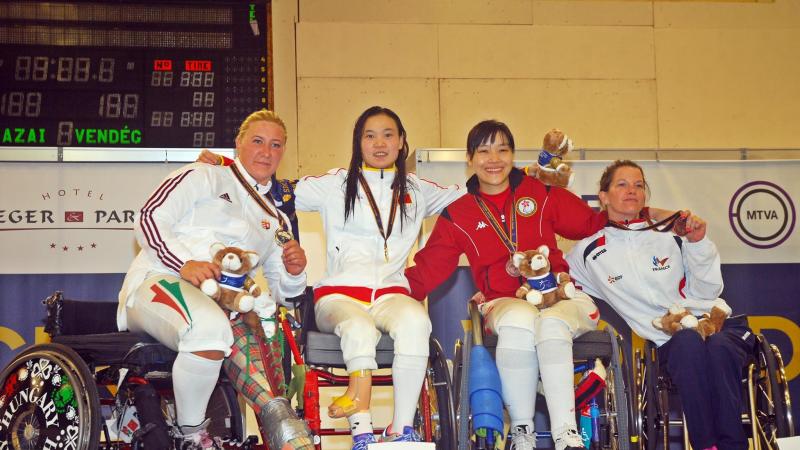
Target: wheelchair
92	391
434	420
614	403
767	415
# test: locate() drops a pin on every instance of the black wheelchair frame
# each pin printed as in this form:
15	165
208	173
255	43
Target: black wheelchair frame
767	415
616	401
75	392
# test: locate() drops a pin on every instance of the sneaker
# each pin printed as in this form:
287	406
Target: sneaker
408	435
361	441
522	438
196	438
569	440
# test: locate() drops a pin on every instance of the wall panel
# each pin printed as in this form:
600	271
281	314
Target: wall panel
329	108
595	113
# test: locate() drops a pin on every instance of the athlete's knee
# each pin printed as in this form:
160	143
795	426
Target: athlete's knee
214	355
686	341
515	338
207	333
552	328
358	328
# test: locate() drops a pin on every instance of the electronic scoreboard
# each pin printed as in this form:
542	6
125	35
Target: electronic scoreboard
157	74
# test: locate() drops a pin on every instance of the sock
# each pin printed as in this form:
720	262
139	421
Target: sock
519	374
360	423
556	367
193	381
408	373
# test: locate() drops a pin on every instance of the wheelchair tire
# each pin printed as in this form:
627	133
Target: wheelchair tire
463	419
785	399
647	398
456	376
50	399
438	416
617	411
227	420
770	393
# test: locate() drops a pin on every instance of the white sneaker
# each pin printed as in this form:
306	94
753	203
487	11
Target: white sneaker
569	440
522	438
196	438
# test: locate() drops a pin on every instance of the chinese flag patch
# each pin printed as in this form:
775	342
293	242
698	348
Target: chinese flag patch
407	199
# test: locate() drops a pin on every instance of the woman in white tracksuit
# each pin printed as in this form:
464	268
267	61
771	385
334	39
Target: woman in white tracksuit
372	214
641	273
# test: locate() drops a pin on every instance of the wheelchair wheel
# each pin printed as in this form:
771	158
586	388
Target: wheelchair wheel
768	393
783	383
436	412
457	368
461	364
227	420
616	417
49	399
647	397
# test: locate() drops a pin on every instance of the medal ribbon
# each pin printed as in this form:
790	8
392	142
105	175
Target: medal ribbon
259	198
509	242
662	226
377	213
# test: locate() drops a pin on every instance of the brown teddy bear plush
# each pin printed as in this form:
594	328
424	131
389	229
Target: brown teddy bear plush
543	288
678	318
551	169
236	291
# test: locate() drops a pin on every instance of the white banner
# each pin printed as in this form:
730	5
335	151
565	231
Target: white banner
750	206
72	217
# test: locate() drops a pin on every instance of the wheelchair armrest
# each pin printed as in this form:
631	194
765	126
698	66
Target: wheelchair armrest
71	317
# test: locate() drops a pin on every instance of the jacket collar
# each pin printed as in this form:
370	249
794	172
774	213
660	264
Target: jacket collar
514	178
260	188
372	174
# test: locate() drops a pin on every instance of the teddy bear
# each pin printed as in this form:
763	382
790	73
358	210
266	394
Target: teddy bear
543	288
678	318
236	291
551	169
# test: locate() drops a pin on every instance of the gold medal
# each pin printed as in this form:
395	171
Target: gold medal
511	269
283	236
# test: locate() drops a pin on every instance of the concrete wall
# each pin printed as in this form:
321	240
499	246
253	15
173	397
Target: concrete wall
614	74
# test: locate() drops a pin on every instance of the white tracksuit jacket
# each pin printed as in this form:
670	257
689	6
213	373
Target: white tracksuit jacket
196	206
642	273
355	256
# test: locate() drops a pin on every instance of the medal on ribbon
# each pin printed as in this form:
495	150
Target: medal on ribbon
509	239
282	234
377	213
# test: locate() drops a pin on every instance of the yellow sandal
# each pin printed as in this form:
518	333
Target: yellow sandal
342	406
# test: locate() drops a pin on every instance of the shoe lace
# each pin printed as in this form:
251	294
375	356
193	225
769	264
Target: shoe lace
361	442
569	438
522	438
200	440
409	434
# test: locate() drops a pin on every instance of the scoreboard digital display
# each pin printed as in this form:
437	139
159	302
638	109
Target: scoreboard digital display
182	74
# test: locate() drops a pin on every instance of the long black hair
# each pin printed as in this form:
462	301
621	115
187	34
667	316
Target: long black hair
400	182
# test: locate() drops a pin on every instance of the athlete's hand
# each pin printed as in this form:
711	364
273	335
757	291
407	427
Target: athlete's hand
209	157
294	257
196	272
478	298
695	226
